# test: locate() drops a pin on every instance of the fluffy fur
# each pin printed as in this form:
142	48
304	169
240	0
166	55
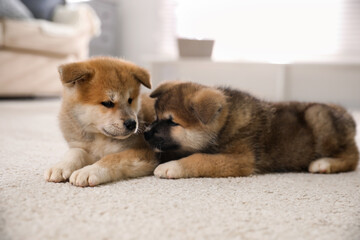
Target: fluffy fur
222	132
99	121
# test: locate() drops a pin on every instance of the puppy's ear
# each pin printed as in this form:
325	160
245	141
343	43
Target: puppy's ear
163	88
142	76
75	73
207	103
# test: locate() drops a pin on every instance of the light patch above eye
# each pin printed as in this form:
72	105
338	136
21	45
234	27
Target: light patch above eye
167	115
113	96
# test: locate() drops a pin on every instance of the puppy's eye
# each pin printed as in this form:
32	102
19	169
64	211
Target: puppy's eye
108	104
172	123
130	100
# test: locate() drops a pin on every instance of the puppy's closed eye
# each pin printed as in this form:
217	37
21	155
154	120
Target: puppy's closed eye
108	104
172	123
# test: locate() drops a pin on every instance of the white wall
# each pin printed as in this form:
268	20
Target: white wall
259	79
146	28
337	83
324	82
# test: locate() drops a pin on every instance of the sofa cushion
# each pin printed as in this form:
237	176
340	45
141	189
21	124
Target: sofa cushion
14	9
42	9
30	35
27	74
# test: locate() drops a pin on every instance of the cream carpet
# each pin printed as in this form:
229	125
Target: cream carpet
274	206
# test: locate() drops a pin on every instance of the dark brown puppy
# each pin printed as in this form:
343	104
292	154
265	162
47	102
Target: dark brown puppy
220	132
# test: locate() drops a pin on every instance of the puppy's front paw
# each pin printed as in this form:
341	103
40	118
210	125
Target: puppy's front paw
171	169
89	176
59	173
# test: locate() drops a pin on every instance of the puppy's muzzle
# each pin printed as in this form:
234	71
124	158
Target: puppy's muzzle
149	134
152	137
159	136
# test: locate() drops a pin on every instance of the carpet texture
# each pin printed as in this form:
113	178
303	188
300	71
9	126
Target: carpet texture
273	206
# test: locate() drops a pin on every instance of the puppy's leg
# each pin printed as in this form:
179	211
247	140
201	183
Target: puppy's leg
75	158
343	162
127	164
334	131
208	165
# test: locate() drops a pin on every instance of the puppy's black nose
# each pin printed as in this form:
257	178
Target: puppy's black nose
130	124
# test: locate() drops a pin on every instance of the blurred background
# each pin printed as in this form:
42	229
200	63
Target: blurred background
276	49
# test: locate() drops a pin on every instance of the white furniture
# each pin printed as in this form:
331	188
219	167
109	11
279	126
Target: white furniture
325	81
31	50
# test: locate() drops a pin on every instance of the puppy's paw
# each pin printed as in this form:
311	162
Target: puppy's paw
89	176
59	173
171	169
321	165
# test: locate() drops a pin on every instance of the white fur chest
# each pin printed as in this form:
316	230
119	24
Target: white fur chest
101	146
